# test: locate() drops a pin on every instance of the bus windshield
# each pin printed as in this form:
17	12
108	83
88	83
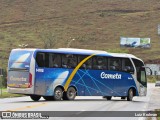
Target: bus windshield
141	74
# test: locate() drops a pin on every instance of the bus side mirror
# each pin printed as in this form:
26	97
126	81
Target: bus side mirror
149	71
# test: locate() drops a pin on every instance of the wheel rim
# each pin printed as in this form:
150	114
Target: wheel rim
71	94
58	94
131	94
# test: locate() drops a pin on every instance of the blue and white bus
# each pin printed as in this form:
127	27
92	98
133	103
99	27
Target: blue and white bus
65	73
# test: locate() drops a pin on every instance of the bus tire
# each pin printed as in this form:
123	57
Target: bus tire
35	97
58	93
70	94
123	98
48	98
108	97
130	95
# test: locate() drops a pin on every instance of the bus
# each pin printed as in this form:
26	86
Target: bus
64	73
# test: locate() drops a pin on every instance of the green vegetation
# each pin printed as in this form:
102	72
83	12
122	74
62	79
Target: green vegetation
118	50
5	94
158	113
93	25
151	79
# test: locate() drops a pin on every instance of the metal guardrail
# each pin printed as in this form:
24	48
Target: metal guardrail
157	80
157	83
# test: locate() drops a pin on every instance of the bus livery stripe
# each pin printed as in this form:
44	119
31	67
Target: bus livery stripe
75	70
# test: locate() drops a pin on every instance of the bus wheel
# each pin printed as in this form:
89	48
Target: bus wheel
48	98
123	98
58	93
35	97
70	94
109	97
130	95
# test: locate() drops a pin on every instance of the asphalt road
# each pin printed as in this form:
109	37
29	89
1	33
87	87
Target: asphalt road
82	104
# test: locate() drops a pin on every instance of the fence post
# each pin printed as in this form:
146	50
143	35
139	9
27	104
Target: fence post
1	75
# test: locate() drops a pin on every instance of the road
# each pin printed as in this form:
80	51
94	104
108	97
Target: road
82	104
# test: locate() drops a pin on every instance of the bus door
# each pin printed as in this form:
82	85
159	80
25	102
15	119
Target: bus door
40	82
141	76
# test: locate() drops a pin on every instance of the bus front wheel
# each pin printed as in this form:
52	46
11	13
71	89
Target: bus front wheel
58	93
70	94
35	97
130	95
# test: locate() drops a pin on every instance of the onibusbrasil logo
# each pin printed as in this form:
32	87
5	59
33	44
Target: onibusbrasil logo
23	115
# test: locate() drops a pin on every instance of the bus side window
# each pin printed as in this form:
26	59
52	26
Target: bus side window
55	60
47	60
73	61
115	64
127	65
40	59
80	58
64	61
99	63
87	64
69	61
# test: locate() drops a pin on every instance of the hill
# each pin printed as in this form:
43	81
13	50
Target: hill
94	24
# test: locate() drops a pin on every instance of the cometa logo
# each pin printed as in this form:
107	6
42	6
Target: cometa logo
18	79
110	76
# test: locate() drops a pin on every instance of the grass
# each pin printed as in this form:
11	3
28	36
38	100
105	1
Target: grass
93	24
158	113
151	79
5	94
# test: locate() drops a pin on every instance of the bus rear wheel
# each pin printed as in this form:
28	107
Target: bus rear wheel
70	94
35	97
58	93
48	98
130	95
107	97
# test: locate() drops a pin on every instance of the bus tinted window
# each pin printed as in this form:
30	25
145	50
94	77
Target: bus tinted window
115	64
54	60
99	63
40	59
127	65
69	61
138	64
87	64
47	60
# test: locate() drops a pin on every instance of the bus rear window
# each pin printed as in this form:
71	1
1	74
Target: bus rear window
20	59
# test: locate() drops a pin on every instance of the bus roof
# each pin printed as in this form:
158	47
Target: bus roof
83	51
